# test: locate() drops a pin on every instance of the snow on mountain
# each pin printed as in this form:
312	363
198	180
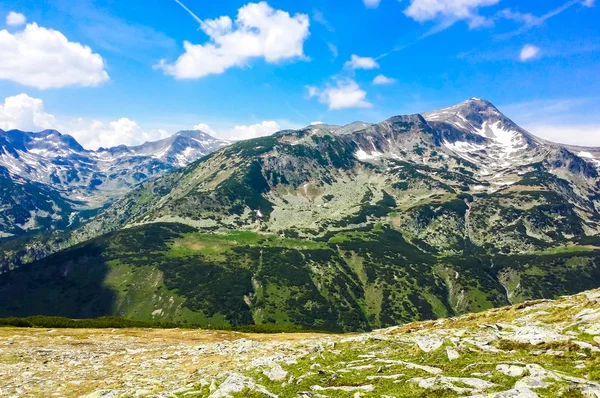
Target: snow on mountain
51	158
505	144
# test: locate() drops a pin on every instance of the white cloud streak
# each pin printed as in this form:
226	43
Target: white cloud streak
530	21
448	12
258	32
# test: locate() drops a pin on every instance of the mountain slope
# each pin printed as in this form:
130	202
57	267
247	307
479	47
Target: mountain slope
340	228
58	165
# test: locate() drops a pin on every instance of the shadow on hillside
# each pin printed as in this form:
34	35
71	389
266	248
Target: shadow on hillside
68	284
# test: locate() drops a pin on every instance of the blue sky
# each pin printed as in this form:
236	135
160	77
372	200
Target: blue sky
111	72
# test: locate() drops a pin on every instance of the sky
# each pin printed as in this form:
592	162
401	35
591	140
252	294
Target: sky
114	72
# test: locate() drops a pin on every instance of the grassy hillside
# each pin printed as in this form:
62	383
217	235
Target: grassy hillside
359	279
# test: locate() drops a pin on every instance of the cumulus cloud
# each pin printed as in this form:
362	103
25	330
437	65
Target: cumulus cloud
383	80
15	19
316	123
96	133
449	11
25	113
258	32
45	58
242	132
371	3
344	94
205	128
529	52
357	62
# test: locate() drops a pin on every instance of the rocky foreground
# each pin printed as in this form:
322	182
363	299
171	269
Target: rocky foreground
536	349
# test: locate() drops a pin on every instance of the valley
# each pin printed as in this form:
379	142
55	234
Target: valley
334	228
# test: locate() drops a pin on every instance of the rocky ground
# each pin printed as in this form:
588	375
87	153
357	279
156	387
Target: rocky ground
541	348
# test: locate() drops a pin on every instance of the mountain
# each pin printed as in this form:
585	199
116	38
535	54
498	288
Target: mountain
333	227
86	180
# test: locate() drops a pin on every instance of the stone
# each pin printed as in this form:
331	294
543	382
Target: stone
429	343
237	382
276	373
366	388
534	335
447	383
510	370
452	354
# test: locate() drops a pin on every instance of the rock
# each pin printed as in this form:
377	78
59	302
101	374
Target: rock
428	369
534	335
429	343
237	382
587	346
510	370
366	388
588	315
276	373
452	354
390	377
447	383
514	393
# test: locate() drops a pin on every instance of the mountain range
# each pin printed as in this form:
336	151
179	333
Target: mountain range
330	227
49	181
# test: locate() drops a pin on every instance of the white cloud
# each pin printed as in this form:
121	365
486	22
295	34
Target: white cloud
449	11
573	134
371	3
45	58
244	132
529	52
345	94
318	17
25	113
205	128
95	134
258	32
383	80
15	19
333	48
530	21
357	62
316	123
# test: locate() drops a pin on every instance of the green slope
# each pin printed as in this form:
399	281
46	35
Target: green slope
353	280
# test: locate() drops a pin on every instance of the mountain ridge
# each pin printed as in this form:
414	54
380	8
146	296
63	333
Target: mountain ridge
85	178
331	227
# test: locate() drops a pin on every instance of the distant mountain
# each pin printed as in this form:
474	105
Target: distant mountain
333	227
58	165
